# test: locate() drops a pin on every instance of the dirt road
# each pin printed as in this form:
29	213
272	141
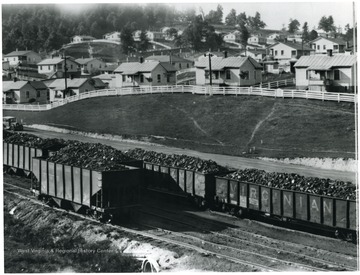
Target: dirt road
231	161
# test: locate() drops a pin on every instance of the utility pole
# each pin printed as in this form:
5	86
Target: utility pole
210	71
65	75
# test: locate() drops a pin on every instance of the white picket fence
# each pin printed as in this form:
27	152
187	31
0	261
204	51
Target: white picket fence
276	84
201	90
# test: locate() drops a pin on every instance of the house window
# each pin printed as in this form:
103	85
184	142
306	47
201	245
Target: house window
71	66
159	78
40	68
293	53
123	78
187	65
37	93
336	47
276	52
307	74
228	74
14	59
141	78
168	77
324	47
27	94
336	75
49	68
282	52
179	65
48	95
318	47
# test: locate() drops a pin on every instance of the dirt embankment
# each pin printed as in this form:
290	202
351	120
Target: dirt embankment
39	239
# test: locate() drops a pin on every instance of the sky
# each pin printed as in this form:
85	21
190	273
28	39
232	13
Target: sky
275	14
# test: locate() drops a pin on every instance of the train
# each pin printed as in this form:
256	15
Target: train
109	195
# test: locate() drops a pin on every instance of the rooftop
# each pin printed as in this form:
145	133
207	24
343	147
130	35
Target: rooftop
59	84
219	63
13	85
131	68
325	62
17	53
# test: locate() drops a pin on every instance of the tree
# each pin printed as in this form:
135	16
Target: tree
293	25
244	35
241	19
255	22
313	35
215	17
127	39
171	33
230	19
305	33
144	43
327	24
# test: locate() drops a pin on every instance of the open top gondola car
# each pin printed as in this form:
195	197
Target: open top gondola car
332	214
104	195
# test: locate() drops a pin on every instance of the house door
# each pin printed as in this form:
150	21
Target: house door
292	69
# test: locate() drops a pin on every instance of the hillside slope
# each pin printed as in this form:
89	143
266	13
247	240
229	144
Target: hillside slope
225	125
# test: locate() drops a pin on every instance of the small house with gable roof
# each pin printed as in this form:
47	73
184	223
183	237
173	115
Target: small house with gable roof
22	57
331	73
152	73
322	44
230	71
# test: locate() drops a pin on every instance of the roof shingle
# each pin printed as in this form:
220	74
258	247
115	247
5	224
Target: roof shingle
325	61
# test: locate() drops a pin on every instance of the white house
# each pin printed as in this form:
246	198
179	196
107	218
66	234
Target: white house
257	39
178	62
82	38
20	92
274	37
69	87
287	53
322	44
295	37
54	67
113	36
22	57
326	72
90	65
229	71
232	37
257	54
153	73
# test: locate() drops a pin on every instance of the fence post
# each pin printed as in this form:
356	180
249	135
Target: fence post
306	94
338	97
285	82
292	94
277	84
323	96
269	86
224	90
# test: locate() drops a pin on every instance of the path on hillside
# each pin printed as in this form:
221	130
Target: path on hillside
231	161
196	124
258	125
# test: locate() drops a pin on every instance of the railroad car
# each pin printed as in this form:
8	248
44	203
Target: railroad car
103	194
200	187
18	158
332	214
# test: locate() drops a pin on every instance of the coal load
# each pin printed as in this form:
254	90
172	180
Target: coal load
93	156
7	134
35	142
295	182
179	161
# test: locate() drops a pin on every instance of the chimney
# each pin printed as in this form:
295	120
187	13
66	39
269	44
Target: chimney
141	59
225	54
329	52
17	49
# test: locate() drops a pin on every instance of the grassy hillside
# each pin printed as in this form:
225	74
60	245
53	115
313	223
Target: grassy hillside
227	125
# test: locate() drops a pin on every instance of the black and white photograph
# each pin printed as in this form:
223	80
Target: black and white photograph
179	136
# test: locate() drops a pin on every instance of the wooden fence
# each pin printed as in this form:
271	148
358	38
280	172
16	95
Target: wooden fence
201	90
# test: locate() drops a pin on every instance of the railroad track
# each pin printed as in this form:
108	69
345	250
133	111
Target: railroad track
9	188
270	249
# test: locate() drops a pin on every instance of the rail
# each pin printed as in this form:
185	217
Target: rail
276	84
201	90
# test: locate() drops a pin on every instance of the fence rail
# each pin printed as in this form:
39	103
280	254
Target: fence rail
201	90
276	84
